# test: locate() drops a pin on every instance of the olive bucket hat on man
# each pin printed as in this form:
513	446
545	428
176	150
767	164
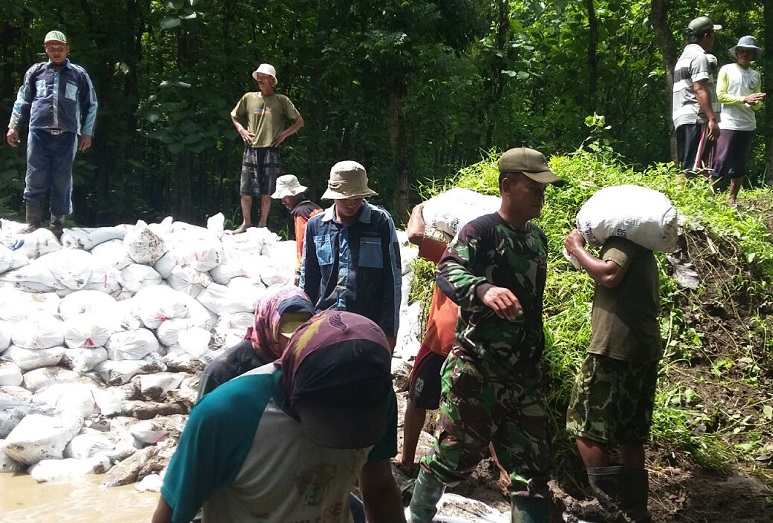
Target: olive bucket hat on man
529	162
265	69
288	185
55	36
348	180
746	42
702	25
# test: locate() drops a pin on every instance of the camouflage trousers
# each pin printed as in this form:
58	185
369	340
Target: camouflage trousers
480	405
612	401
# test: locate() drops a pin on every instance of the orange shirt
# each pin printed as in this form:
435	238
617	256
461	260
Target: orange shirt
441	323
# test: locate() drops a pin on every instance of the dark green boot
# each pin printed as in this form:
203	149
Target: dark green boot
606	485
634	499
57	225
34	212
427	491
529	509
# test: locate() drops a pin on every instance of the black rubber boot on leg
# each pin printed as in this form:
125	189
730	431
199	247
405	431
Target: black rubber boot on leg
529	509
34	213
606	483
635	495
427	491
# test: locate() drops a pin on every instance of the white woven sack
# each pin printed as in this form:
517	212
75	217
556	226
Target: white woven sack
88	238
188	280
86	331
16	304
40	436
112	254
38	332
32	245
451	210
85	302
137	276
83	360
131	345
642	215
10	259
143	245
29	359
10	376
34	277
71	267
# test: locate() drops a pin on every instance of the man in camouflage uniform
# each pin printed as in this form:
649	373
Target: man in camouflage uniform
495	270
614	391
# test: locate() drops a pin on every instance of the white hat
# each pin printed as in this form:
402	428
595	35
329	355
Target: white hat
348	180
265	69
287	185
746	42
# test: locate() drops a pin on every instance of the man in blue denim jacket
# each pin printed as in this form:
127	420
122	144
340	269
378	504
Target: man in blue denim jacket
58	98
351	258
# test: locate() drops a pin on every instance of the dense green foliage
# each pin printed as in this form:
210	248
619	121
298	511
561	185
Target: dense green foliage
413	90
681	415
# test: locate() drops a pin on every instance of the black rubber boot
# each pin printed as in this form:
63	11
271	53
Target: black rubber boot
634	499
529	509
606	485
34	212
427	491
57	225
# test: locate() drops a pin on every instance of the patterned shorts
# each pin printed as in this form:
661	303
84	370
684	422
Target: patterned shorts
612	401
260	168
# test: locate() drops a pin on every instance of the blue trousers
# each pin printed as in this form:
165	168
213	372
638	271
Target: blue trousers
49	166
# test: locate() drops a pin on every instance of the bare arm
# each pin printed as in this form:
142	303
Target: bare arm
380	493
163	513
284	135
704	101
244	133
604	272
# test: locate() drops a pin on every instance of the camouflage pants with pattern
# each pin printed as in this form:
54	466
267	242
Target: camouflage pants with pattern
612	401
481	405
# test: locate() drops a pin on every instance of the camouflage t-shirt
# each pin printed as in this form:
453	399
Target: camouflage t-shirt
489	252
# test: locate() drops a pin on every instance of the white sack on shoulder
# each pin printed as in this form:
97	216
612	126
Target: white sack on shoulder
642	215
451	210
131	345
38	332
42	436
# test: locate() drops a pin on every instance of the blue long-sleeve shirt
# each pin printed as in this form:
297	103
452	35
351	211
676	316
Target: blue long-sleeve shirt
52	99
354	267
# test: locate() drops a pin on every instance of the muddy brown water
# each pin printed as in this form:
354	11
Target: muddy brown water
23	500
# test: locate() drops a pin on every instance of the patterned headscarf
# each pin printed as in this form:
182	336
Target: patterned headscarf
271	306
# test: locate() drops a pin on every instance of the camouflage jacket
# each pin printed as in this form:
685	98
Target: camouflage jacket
489	252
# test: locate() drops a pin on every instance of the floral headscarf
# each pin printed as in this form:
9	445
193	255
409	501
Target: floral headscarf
271	306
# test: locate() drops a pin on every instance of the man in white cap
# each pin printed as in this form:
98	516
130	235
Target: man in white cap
694	104
59	100
267	116
738	90
293	197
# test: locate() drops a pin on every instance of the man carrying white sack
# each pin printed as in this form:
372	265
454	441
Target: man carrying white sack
614	391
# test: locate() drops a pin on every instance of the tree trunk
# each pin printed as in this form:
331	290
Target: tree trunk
767	65
593	36
667	46
397	141
183	186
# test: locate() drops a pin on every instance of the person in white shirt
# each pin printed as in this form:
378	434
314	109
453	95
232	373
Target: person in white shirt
738	90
